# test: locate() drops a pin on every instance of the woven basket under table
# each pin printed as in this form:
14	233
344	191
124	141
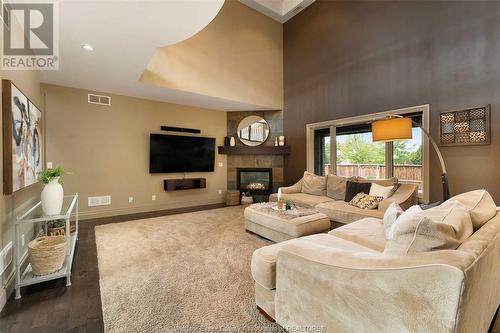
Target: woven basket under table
46	254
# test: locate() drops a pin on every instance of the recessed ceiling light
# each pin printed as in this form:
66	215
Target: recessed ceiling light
87	47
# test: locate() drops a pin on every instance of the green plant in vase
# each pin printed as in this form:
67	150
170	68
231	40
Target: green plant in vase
288	204
52	193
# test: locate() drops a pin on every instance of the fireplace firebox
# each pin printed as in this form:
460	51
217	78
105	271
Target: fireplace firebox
257	181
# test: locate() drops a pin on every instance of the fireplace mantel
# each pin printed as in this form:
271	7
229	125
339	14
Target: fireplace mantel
259	150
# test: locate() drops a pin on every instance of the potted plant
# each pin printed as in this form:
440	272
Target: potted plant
53	193
57	228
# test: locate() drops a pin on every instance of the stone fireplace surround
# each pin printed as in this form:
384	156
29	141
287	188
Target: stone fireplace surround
275	162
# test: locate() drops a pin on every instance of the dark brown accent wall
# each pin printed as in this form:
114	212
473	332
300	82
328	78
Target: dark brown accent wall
348	58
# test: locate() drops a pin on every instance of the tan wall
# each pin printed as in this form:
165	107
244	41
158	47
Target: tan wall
106	148
11	205
238	56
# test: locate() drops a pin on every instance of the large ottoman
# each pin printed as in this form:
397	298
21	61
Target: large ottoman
279	226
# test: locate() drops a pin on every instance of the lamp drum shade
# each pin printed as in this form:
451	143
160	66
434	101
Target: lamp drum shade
392	129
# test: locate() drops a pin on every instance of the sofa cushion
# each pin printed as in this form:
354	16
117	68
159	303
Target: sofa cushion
303	199
390	216
479	204
367	232
342	212
382	182
438	228
336	186
353	188
263	264
313	184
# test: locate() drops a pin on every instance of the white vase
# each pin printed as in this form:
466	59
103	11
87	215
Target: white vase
232	142
52	198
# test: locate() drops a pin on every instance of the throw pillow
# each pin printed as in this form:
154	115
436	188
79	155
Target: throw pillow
403	217
313	184
353	188
478	203
336	186
439	228
377	190
390	216
365	201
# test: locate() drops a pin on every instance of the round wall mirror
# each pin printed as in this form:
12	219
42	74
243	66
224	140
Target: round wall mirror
253	130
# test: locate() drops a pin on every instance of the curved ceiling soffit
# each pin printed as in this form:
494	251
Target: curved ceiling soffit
124	35
154	75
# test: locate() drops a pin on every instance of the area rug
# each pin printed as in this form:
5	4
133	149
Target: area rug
179	273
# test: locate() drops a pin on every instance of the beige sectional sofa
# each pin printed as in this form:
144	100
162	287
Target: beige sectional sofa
330	194
344	281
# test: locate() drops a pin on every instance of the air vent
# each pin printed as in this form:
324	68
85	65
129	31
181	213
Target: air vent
297	9
99	99
99	201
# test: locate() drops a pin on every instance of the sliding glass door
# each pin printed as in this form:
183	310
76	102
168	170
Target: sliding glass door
356	155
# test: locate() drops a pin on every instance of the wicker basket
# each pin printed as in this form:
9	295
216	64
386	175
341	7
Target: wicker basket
46	254
233	198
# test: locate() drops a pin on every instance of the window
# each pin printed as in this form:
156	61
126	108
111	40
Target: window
357	155
352	153
408	159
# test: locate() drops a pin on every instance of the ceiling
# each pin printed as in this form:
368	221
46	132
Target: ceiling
124	35
279	10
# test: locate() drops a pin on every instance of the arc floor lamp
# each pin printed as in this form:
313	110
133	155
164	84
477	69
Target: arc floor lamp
400	128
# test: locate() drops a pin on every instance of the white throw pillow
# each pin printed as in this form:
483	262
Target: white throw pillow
402	217
438	228
390	216
377	190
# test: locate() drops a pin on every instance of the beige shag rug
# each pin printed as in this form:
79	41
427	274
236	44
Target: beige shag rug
179	273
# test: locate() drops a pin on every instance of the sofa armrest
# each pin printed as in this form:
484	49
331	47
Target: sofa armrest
323	287
295	188
405	196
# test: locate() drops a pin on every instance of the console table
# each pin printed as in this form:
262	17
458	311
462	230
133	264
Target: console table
35	215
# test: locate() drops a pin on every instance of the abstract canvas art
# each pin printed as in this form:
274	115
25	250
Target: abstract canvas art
22	139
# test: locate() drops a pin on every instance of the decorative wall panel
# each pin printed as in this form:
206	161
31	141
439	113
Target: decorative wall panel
465	127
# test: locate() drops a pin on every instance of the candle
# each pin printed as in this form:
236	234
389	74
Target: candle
279	193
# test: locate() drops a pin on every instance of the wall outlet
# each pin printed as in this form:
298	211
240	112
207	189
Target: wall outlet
22	240
153	197
130	199
49	165
220	191
221	164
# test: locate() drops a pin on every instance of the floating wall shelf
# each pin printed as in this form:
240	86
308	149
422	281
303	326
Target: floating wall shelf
258	150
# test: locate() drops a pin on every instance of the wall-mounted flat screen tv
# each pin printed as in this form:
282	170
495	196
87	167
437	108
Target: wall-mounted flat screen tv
175	153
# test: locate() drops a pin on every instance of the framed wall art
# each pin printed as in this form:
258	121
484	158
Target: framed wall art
465	127
22	139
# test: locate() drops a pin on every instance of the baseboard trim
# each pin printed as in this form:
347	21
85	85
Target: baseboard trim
151	214
138	209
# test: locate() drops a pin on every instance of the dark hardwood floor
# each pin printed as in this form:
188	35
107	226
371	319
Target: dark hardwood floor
52	307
